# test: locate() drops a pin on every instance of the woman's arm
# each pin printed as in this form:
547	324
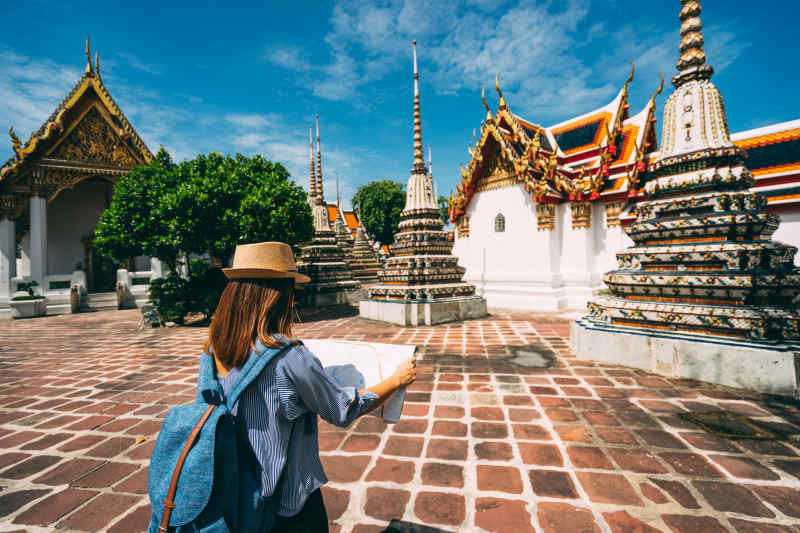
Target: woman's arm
404	374
319	393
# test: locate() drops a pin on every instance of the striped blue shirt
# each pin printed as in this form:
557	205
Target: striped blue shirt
285	399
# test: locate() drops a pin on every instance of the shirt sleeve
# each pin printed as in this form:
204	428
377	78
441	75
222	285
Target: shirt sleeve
320	393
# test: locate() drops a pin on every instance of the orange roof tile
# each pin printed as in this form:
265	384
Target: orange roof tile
770	138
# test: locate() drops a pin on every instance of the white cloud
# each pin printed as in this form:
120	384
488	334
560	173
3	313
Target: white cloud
539	49
137	64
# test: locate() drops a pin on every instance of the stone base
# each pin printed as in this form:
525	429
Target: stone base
773	369
323	299
28	308
423	313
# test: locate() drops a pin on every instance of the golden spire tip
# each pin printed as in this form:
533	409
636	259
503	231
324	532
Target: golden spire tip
88	57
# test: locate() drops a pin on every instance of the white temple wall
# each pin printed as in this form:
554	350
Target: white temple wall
580	264
524	268
71	216
789	231
516	268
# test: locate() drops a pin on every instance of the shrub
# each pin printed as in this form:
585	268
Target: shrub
169	296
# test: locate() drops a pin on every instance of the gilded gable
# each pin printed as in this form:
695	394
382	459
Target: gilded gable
94	140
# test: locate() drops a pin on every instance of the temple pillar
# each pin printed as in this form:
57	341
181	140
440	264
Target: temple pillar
8	259
24	262
38	239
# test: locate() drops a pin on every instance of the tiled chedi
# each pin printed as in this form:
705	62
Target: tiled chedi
702	260
421	266
323	260
364	263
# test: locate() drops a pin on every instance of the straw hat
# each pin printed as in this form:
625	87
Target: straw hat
264	260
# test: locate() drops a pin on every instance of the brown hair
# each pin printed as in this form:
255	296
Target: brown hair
250	309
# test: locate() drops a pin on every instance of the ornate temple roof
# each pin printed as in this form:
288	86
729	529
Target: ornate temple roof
773	156
350	217
596	154
72	109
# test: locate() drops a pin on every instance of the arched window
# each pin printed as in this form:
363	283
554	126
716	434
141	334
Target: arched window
499	223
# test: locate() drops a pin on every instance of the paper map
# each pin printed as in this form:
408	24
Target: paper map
363	364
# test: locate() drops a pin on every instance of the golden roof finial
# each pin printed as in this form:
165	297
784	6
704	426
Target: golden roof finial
15	142
630	78
483	99
499	92
97	64
88	58
658	91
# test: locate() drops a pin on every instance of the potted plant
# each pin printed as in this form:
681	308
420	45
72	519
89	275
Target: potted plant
26	302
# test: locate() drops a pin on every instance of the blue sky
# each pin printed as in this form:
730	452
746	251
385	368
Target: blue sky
249	77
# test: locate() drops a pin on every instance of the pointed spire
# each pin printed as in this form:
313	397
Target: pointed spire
312	176
419	157
97	64
320	192
338	200
88	58
502	104
691	64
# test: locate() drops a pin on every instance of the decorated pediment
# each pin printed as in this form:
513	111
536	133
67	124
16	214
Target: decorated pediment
94	140
87	132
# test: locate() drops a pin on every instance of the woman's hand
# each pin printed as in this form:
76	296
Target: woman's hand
406	372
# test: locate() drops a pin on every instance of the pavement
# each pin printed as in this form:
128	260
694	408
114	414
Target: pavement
505	430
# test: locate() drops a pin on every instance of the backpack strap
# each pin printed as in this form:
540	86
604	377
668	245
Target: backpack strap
251	370
169	500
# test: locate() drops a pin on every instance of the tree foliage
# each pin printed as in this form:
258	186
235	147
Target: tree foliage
206	205
444	209
134	224
380	204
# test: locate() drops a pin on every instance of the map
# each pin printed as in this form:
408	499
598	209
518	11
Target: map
364	364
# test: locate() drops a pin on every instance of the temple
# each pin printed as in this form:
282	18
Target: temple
323	260
704	292
421	281
568	190
52	192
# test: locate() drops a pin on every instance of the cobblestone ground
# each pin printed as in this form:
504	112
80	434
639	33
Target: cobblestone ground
484	444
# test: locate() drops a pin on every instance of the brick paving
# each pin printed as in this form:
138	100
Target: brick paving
484	445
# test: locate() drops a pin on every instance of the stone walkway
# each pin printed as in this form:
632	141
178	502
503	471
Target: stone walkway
485	444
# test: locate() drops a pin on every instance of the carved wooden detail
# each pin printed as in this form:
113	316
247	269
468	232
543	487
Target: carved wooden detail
94	141
11	206
462	227
613	210
545	216
498	174
581	215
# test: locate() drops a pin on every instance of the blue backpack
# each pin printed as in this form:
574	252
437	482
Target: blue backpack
204	476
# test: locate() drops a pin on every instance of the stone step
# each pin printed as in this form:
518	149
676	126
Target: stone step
103	301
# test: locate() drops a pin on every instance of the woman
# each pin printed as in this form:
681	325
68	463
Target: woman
279	410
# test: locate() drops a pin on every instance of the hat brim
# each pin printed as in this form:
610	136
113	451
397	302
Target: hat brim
263	273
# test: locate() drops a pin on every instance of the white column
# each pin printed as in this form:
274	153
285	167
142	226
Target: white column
8	256
38	243
24	262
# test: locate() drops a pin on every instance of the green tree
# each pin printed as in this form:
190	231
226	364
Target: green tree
223	201
444	209
134	224
204	206
380	204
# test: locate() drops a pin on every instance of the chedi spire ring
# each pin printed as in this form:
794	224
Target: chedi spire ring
692	62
